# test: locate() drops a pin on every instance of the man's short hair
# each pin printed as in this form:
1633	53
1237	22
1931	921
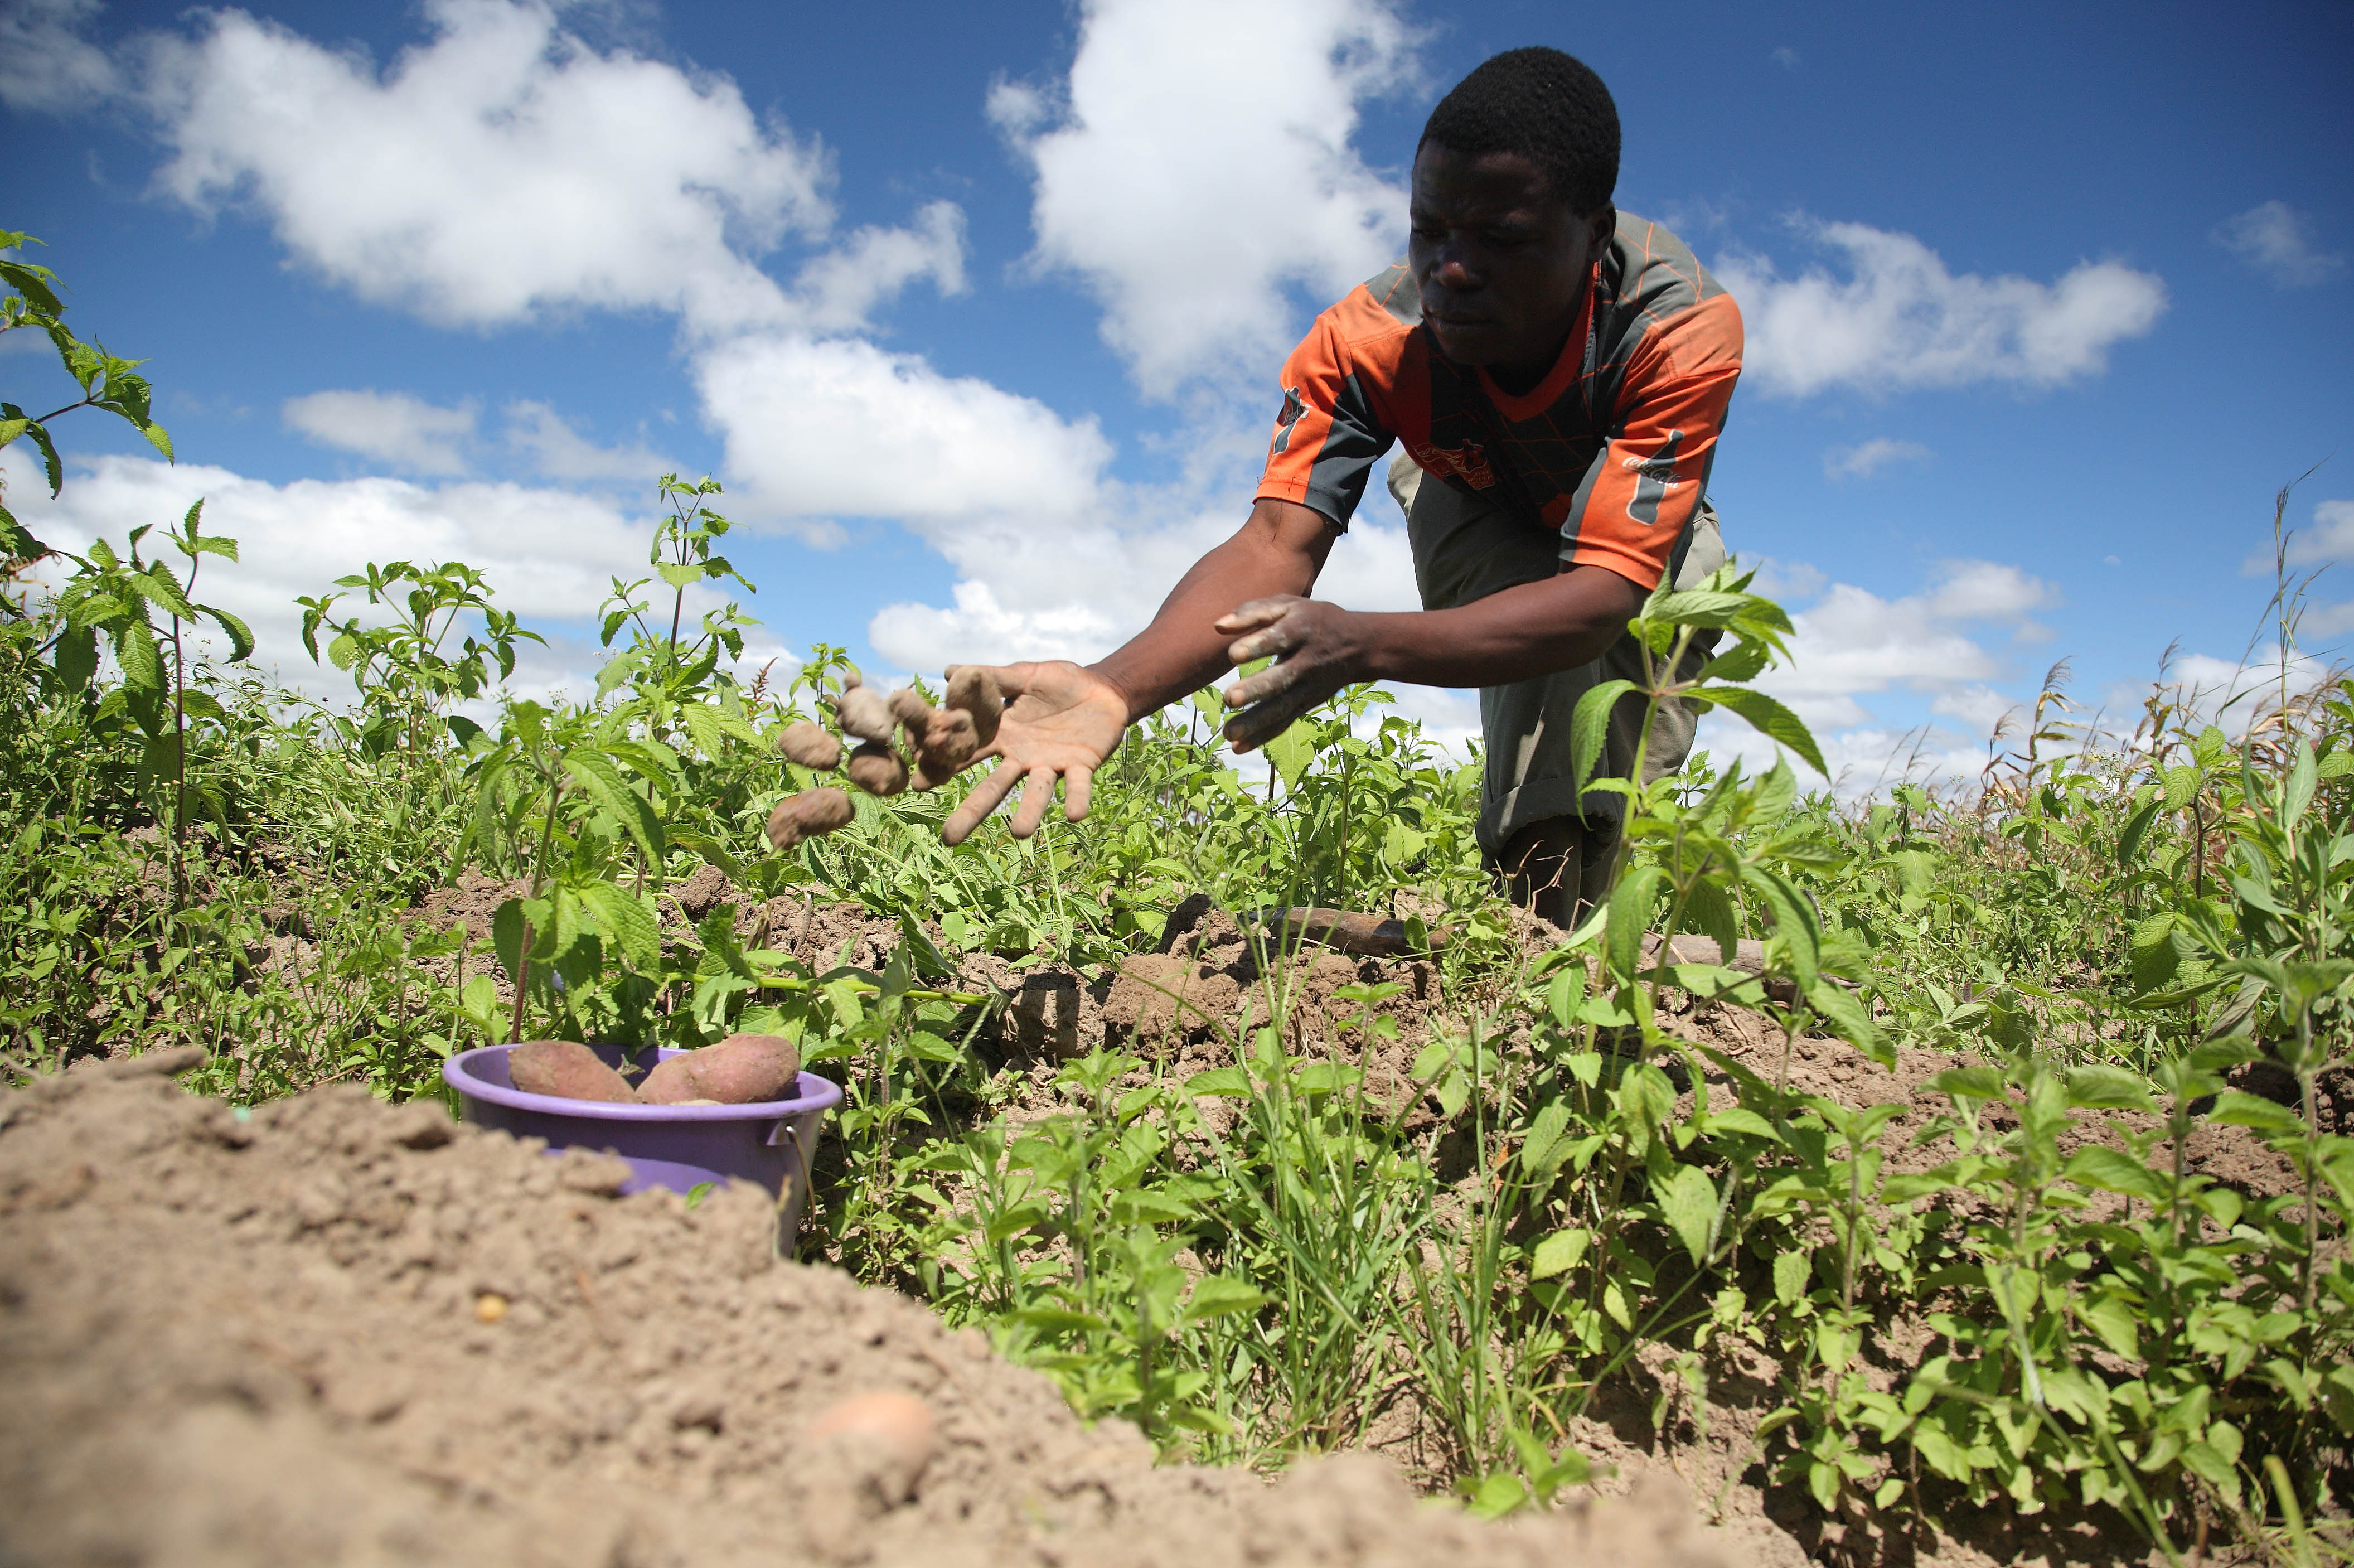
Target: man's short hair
1544	105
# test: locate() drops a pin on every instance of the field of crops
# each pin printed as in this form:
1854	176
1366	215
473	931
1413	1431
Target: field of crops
1997	1196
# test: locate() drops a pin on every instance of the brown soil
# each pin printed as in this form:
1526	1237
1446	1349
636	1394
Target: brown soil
266	1339
1212	983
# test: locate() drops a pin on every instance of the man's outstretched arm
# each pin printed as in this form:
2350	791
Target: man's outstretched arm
1062	719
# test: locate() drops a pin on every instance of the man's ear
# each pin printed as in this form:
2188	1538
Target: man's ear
1601	227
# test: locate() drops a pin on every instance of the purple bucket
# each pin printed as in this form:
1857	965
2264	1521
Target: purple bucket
678	1147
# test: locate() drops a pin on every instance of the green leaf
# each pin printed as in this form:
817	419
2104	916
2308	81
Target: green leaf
1219	1295
1059	1320
2107	1088
1850	1020
1631	903
241	636
1543	1150
1690	1205
1969	1082
1226	1083
1771	719
603	783
2137	827
1791	1271
2113	1170
2297	791
1559	1253
627	922
1589	727
2113	1319
2234	1108
1290	753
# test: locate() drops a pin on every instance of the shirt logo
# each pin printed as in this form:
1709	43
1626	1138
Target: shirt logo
1293	408
1467	462
1655	481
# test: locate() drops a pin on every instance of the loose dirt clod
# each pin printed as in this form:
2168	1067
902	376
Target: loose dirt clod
863	714
743	1069
807	815
567	1069
878	768
973	689
810	745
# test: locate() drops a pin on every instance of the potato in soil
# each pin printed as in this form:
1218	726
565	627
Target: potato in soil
810	745
974	690
743	1069
863	714
567	1069
807	815
878	768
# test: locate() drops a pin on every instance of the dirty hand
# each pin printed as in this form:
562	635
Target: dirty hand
1061	721
1319	648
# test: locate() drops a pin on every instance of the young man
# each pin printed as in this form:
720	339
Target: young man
1557	375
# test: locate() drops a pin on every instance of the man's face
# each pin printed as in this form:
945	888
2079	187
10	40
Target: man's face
1500	262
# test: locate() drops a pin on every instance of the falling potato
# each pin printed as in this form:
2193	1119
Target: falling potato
878	768
863	714
810	745
807	815
973	689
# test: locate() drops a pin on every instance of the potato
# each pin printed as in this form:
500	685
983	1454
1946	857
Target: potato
878	768
907	706
743	1069
946	743
567	1069
886	1439
810	745
807	815
974	690
863	714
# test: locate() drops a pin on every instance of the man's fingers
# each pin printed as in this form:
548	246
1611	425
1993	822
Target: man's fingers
1037	792
1271	682
1255	613
1254	726
984	800
1078	785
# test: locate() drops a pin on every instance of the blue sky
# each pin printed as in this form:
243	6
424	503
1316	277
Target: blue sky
978	310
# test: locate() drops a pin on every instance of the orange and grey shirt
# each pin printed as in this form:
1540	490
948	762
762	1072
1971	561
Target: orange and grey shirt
1612	448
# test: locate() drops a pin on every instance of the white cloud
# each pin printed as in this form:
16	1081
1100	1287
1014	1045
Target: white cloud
393	428
1786	582
549	554
1852	643
2329	539
498	171
1198	162
836	292
818	431
2275	240
46	65
1786	57
554	449
1900	319
1867	458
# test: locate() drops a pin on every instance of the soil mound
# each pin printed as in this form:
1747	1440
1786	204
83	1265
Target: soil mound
331	1331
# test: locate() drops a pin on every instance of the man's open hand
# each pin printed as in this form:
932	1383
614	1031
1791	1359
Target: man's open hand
1319	648
1061	721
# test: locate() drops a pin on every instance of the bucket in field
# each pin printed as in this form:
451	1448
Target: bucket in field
677	1147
